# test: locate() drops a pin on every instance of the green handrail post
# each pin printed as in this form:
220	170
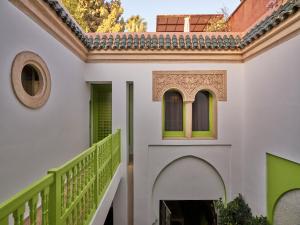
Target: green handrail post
119	147
96	166
55	199
111	156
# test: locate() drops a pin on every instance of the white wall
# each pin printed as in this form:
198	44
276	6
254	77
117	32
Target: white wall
271	115
33	141
261	115
188	177
147	125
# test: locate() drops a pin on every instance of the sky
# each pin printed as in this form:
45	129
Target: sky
148	9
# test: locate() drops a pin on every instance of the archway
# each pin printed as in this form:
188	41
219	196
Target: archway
187	178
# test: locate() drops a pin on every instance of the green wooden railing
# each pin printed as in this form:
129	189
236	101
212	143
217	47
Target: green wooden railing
70	194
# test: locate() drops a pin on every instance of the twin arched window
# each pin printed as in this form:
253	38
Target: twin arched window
176	114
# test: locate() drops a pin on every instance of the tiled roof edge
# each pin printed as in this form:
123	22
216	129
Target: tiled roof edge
68	20
173	41
164	41
270	22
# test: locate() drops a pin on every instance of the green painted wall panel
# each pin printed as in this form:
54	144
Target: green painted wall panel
282	176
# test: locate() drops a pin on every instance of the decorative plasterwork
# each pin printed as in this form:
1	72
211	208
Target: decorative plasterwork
188	83
42	95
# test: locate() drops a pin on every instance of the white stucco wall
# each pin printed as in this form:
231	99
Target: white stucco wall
188	177
260	115
33	141
271	115
147	125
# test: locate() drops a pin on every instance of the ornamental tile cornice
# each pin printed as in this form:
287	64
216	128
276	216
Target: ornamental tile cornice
282	24
192	41
165	41
270	22
175	41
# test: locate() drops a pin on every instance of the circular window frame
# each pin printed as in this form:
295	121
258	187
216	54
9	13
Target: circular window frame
42	95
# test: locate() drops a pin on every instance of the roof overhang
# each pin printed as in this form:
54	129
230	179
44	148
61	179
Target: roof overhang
41	13
50	18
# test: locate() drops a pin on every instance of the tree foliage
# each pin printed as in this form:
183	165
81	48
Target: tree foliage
237	212
217	24
136	24
71	5
102	16
74	9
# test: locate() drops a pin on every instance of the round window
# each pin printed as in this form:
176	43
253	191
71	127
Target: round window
31	79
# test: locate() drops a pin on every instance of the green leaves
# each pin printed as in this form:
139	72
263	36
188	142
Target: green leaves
136	24
103	16
238	212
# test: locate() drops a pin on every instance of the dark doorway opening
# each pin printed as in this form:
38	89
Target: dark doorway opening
110	217
187	212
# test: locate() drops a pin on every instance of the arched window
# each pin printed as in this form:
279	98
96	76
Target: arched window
173	114
202	122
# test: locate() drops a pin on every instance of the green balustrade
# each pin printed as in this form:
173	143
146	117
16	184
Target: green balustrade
70	194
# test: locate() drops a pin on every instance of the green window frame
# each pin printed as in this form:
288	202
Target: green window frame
173	134
211	131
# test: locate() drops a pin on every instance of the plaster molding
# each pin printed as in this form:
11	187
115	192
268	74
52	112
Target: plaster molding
188	83
131	55
42	14
43	93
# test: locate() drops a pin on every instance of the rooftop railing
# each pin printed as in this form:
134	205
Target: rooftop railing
70	194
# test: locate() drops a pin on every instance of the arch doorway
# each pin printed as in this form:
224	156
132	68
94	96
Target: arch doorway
187	182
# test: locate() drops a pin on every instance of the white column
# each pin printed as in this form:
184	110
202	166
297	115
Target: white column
186	24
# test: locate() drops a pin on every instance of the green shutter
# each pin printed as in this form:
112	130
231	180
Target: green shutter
101	111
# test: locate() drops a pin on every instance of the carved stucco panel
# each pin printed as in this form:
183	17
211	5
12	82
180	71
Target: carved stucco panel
188	83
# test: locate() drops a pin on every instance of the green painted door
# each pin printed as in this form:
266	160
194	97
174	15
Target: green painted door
101	111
